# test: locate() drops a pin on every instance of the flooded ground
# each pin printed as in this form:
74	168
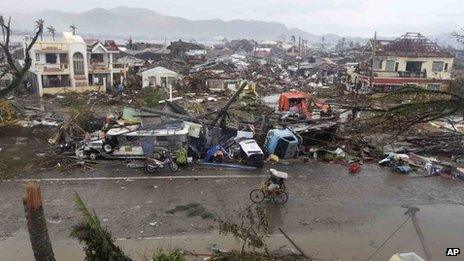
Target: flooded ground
331	215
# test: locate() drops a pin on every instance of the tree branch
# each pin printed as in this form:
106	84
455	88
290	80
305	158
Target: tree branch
17	74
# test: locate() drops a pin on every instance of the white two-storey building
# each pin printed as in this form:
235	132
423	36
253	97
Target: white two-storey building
69	64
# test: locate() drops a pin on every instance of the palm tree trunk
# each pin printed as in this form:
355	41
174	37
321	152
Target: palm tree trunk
36	224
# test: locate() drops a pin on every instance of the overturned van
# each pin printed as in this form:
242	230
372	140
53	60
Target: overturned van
282	142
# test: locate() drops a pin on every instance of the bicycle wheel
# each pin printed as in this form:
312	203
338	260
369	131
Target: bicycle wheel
280	198
257	196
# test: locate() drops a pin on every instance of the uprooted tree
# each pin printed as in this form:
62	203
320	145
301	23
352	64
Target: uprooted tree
7	62
400	110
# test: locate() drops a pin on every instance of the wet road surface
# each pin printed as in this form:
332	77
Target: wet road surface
331	215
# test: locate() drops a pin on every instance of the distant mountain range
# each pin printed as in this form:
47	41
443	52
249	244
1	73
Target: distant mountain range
144	23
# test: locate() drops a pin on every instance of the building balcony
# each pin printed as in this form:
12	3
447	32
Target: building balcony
389	74
412	74
118	66
51	47
99	67
59	68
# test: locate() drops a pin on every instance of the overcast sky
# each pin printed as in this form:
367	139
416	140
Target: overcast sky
343	17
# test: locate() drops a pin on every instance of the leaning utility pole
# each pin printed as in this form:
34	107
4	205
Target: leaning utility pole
412	213
373	46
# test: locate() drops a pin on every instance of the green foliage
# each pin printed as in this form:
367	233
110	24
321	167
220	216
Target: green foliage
149	97
99	244
175	255
181	156
252	227
192	210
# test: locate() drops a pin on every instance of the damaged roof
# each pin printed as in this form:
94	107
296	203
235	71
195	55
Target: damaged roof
108	45
408	45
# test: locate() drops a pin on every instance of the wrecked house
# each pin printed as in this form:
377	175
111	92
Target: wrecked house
219	84
159	76
134	64
411	60
187	51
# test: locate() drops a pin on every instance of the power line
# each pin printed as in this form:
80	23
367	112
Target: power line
388	238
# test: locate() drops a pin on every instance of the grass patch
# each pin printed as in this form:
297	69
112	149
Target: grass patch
192	210
174	255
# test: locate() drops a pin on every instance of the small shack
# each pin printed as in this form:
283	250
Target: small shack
159	76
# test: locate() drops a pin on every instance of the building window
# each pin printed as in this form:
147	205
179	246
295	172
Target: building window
433	86
377	64
37	57
63	58
78	63
96	58
413	66
397	65
437	66
50	58
446	67
390	66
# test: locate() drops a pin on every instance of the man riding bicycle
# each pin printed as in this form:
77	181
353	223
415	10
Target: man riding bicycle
276	180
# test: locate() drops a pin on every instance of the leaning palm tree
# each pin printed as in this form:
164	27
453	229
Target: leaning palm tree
39	24
36	223
73	28
51	30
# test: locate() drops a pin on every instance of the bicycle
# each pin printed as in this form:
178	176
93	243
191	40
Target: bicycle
278	196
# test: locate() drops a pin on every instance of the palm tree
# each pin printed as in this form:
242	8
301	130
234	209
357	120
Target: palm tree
293	38
36	223
39	24
73	28
51	30
99	245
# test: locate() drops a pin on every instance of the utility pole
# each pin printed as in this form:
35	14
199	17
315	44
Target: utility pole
373	46
412	213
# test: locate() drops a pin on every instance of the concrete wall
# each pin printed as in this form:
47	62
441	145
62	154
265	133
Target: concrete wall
157	75
58	90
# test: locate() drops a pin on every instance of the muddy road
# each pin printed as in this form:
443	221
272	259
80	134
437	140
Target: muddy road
331	215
